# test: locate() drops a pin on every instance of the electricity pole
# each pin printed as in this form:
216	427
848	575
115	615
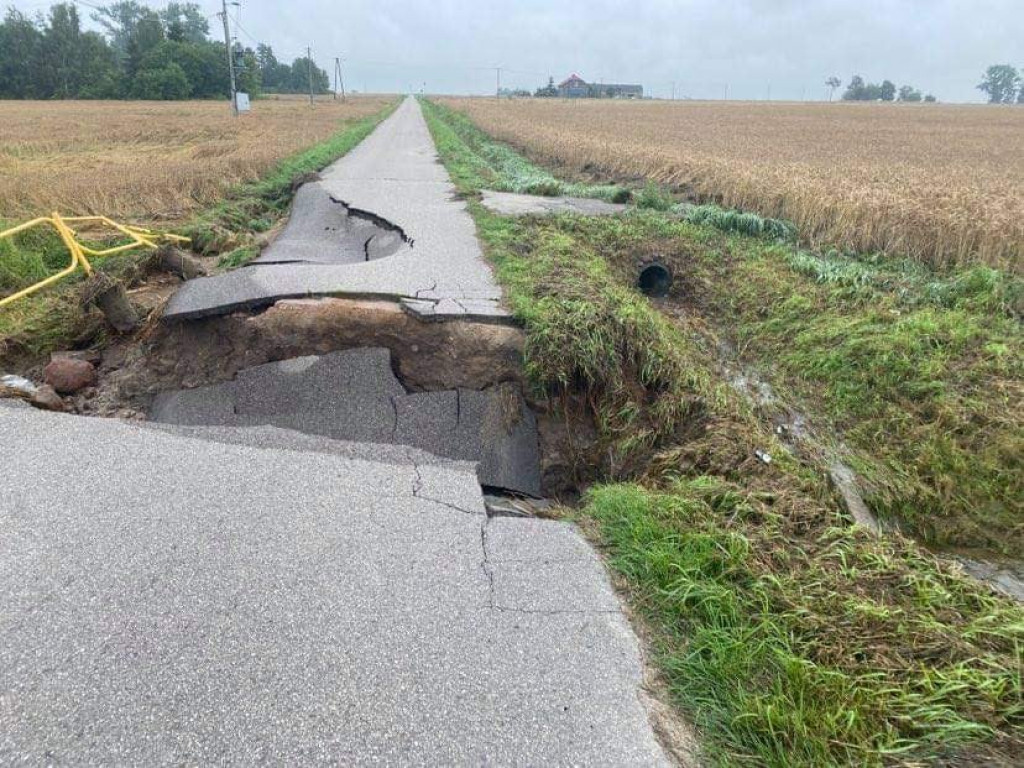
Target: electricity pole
338	79
309	72
231	57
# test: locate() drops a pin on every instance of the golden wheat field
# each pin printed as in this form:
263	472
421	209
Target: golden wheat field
944	184
148	161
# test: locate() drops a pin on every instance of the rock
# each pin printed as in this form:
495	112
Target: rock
68	375
46	397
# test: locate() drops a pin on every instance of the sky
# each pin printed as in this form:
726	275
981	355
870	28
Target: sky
743	49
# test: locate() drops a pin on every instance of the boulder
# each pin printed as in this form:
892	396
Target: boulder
68	375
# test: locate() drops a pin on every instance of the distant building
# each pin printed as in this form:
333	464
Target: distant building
575	87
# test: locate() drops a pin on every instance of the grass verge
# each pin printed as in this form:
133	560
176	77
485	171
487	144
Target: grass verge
55	318
790	636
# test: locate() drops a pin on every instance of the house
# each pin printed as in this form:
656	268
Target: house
575	87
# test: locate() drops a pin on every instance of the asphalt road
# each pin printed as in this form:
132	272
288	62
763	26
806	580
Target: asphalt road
167	599
394	175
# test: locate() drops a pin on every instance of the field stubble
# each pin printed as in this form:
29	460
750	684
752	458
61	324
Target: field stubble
150	161
942	184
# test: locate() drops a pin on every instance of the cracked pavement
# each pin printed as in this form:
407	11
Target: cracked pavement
270	596
392	180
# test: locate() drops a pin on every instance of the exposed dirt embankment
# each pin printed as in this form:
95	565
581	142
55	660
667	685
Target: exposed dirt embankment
426	357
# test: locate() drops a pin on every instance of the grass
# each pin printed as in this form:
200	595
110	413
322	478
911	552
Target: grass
492	165
866	178
789	635
55	318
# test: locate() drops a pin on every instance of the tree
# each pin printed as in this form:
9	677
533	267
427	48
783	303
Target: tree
548	91
168	83
147	34
20	43
185	23
887	90
832	84
909	93
119	20
1001	83
58	73
930	99
855	90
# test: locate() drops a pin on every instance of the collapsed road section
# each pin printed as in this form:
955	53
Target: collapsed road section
293	561
354	396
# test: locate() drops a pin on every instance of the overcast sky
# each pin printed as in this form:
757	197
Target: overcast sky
753	47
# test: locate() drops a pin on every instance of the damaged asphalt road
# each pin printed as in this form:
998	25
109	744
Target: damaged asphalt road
241	586
396	184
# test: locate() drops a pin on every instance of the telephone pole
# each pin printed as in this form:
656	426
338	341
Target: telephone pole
309	72
231	57
338	79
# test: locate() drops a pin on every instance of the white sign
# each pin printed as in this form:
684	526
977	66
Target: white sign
242	101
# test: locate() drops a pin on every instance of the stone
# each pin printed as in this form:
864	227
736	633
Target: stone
46	398
68	375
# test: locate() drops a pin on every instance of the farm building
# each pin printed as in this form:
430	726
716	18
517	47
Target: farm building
575	87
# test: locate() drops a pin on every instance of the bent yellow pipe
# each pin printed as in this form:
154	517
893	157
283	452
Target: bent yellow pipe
140	238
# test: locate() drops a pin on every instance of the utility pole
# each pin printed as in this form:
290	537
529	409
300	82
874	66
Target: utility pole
309	72
231	57
338	79
497	92
673	90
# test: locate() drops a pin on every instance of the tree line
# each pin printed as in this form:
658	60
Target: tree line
859	90
141	53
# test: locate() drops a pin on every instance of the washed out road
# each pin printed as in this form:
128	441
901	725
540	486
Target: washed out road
243	593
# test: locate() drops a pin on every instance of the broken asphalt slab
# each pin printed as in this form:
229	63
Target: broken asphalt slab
354	395
168	599
322	230
393	176
513	204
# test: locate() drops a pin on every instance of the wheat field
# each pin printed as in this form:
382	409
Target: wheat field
943	184
150	161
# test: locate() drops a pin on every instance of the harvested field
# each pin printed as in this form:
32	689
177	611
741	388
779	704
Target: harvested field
942	184
150	161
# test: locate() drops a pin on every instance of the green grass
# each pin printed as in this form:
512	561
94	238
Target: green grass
55	318
490	164
824	647
790	636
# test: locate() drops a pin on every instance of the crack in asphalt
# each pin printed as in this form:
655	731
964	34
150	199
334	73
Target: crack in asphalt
376	219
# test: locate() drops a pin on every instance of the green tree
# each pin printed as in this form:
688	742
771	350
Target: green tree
909	93
831	84
168	83
147	34
299	81
185	23
20	43
855	90
887	90
58	71
548	91
930	99
119	20
1001	83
